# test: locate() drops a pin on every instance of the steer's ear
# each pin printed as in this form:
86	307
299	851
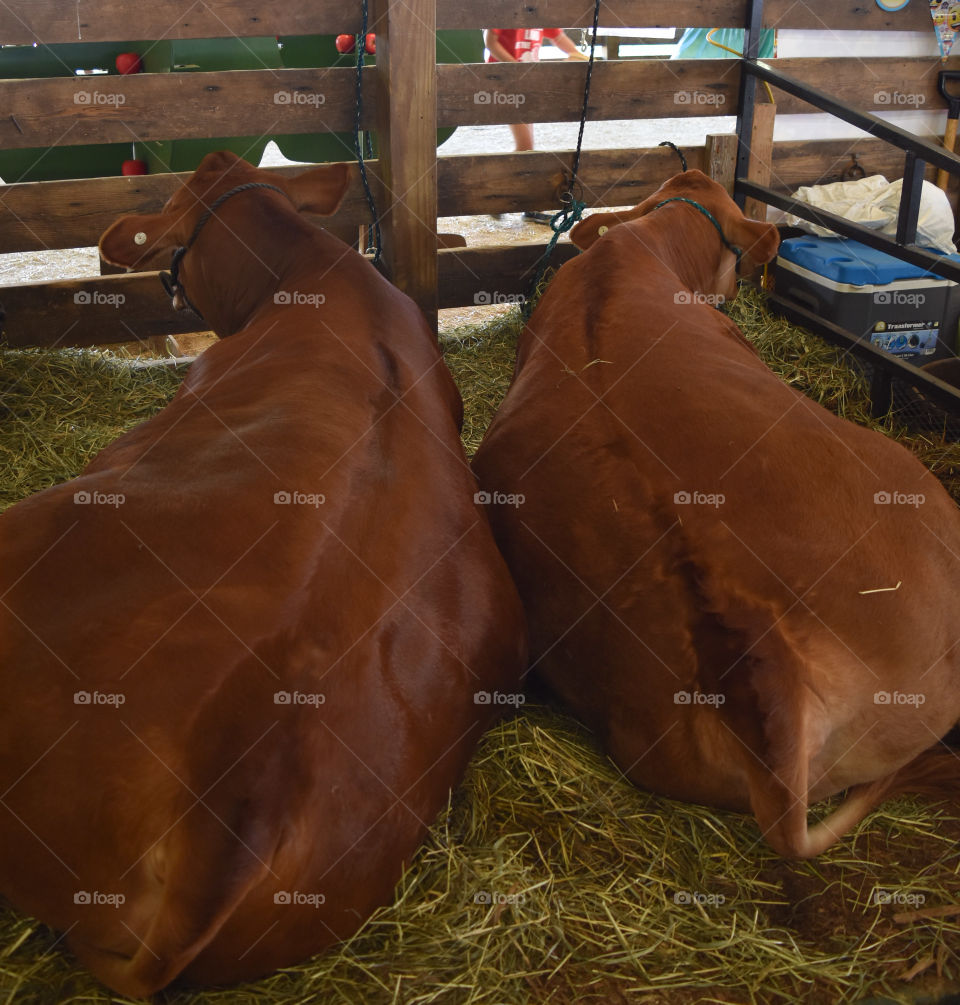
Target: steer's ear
142	241
320	190
759	242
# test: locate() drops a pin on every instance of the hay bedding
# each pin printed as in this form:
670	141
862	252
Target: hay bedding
549	878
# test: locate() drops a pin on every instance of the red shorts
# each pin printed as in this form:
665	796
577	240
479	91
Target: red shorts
523	43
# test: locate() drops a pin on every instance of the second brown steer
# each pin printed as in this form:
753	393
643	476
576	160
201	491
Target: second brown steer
751	601
239	653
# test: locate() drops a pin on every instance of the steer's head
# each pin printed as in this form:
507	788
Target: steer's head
696	247
148	241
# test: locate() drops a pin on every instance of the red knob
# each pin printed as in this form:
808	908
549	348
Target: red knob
129	62
346	43
133	167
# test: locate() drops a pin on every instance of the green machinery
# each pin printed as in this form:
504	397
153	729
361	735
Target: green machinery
190	56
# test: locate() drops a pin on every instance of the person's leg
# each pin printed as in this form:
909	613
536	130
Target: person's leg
522	135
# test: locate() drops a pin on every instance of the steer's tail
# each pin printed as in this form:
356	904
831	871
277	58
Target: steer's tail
782	814
779	722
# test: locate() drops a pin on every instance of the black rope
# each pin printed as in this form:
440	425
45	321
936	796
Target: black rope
586	94
357	146
677	150
572	207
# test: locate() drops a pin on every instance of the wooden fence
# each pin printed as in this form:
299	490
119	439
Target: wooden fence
407	97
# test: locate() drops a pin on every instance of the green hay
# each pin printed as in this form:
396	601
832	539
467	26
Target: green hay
599	892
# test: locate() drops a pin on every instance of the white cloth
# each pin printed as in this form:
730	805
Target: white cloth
874	203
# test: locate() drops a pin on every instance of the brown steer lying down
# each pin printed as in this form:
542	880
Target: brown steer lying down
238	678
725	581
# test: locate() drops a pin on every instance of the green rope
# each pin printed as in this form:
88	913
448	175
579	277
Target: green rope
560	223
573	208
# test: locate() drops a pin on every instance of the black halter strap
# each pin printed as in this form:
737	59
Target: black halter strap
706	212
171	280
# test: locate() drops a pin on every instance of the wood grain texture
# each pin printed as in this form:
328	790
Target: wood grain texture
407	128
73	214
761	156
646	89
123	308
66	111
53	21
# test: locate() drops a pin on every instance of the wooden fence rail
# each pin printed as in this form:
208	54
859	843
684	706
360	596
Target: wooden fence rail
50	22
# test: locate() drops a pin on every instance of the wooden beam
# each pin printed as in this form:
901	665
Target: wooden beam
134	306
494	275
73	214
66	111
96	311
552	91
406	133
40	216
761	156
23	22
37	216
805	162
42	113
508	183
854	15
721	158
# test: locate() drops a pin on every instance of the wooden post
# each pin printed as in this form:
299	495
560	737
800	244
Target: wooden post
721	158
407	137
761	156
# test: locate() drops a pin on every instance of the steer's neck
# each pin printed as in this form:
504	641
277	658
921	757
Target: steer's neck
242	264
687	244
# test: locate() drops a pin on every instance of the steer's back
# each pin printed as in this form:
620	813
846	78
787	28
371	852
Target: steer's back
280	629
697	519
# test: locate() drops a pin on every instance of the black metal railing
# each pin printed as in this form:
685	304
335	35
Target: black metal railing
886	370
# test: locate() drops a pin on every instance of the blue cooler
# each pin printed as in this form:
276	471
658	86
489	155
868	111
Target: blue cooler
899	307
